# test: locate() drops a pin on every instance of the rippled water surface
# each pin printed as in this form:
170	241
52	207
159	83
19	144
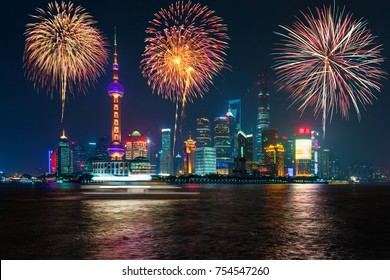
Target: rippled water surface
225	222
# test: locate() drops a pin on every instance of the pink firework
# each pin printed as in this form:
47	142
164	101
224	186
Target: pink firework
330	61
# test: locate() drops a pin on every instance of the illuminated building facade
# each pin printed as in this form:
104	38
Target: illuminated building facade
203	132
79	156
303	152
222	144
269	136
274	159
178	165
91	151
189	156
289	155
235	109
205	161
263	115
245	145
64	156
232	136
325	164
166	159
116	150
136	146
315	162
52	162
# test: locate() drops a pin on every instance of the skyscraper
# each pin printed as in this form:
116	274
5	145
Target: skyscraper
232	136
79	156
178	165
315	166
64	156
274	159
189	156
289	155
235	109
205	162
222	144
203	132
245	146
325	164
115	90
52	162
268	136
136	146
166	159
303	152
263	115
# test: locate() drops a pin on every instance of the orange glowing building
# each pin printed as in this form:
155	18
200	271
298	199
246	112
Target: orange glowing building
116	149
189	159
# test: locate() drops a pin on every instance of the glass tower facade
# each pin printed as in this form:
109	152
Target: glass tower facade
166	159
263	115
203	132
205	161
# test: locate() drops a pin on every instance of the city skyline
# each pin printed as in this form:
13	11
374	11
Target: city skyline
31	121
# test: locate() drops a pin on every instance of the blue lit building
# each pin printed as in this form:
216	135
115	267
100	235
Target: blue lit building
205	161
222	144
166	159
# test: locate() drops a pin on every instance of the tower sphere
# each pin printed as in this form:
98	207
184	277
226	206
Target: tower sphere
115	88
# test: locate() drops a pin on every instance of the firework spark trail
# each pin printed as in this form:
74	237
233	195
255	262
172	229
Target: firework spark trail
184	51
331	62
64	50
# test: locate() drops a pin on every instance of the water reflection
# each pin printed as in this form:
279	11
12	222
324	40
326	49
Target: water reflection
226	222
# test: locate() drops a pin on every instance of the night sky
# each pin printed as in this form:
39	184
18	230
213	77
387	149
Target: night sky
30	120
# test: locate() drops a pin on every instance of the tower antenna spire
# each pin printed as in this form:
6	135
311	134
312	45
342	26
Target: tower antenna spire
115	66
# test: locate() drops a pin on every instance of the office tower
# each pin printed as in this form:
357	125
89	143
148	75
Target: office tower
136	146
289	155
166	160
274	159
325	164
101	148
269	136
178	165
91	150
235	109
52	162
203	132
116	150
245	146
79	156
189	157
315	167
232	136
303	152
263	115
64	156
222	144
205	161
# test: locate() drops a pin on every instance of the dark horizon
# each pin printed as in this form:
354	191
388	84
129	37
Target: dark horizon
31	119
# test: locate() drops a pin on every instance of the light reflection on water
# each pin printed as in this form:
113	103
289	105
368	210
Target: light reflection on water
226	222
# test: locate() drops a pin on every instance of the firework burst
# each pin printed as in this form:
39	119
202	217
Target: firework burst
330	61
63	50
185	50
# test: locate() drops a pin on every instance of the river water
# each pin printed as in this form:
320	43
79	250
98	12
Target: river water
270	221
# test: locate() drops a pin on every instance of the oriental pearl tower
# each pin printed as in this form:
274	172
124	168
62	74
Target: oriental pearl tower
116	149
